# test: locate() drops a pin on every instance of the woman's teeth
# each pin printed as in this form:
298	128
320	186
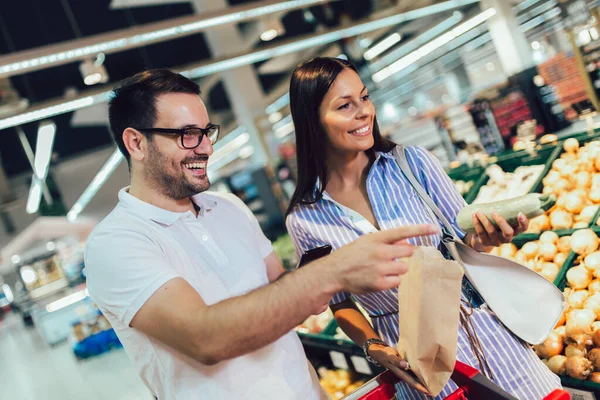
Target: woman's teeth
361	130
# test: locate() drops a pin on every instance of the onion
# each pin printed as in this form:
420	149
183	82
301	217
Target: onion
560	219
587	214
552	177
574	202
580	225
596	337
507	250
561	331
547	251
594	357
583	179
547	190
579	367
584	241
539	224
558	365
577	298
549	271
594	287
592	261
559	164
595	327
559	259
597	162
561	186
571	145
594	377
551	347
594	194
530	249
579	326
579	277
593	303
574	350
595	179
561	321
564	244
520	257
549	237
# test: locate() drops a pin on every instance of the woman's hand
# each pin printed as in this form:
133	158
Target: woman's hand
488	235
389	358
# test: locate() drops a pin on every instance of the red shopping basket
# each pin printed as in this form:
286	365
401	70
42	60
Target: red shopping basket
472	385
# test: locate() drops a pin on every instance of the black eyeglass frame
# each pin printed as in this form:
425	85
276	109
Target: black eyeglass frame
182	132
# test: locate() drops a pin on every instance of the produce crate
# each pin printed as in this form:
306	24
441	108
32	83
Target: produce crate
466	174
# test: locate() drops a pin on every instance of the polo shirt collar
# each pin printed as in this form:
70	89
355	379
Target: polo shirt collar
160	215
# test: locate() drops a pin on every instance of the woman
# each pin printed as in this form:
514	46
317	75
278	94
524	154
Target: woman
348	185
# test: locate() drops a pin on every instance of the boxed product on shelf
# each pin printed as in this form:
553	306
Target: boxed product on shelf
92	335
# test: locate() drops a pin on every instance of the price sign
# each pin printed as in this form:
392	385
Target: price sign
361	365
338	359
577	394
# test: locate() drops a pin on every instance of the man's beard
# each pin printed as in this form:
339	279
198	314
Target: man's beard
168	177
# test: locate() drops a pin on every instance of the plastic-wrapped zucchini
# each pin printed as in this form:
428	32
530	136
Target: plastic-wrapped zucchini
531	205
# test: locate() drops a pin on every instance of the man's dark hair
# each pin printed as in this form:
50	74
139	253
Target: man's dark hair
133	102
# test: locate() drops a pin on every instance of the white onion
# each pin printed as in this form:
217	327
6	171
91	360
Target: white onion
584	241
564	244
561	331
560	219
507	250
549	271
594	286
520	257
593	303
539	224
561	186
579	367
597	162
571	145
547	251
549	237
592	260
580	225
587	214
558	364
579	325
559	259
579	277
583	179
551	347
595	326
552	177
574	202
577	298
574	350
594	194
595	179
530	249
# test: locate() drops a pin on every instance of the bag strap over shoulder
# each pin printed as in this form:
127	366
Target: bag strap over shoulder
399	153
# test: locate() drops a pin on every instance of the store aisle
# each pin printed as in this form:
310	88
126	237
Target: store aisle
30	370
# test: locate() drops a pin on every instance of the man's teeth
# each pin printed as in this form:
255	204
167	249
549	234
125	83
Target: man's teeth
361	130
195	165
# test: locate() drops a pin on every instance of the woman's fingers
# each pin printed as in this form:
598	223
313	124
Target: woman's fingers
507	231
408	377
523	223
480	230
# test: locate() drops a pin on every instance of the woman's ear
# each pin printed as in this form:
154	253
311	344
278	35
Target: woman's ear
135	142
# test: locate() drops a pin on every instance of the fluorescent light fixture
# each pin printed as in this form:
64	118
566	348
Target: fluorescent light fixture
278	104
429	47
268	35
67	301
101	177
246	59
540	19
8	293
276	116
229	148
284	130
246	152
524	5
124	39
15	259
43	149
536	11
382	46
35	196
282	122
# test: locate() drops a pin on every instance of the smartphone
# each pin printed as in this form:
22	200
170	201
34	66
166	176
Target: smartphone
314	254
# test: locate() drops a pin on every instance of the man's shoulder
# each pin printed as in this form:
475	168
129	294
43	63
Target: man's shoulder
117	223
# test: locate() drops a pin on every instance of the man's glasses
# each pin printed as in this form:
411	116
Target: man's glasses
190	137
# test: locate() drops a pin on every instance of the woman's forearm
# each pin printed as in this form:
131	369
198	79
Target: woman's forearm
355	325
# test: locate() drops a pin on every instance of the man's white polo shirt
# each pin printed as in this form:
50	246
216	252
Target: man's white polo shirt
139	247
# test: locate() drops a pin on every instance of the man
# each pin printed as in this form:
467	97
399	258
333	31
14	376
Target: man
187	279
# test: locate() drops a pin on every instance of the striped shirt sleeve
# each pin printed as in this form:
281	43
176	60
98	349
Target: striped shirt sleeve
303	242
438	184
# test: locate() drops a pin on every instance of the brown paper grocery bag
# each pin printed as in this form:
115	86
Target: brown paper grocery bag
429	314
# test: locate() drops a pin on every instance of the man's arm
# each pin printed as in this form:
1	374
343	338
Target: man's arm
274	267
176	314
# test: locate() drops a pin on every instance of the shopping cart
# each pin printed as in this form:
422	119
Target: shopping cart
472	385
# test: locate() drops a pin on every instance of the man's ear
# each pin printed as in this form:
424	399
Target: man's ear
135	142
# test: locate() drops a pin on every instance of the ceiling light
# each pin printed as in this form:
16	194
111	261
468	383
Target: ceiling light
93	71
15	259
67	301
28	275
490	66
284	130
35	196
124	39
435	44
382	46
43	149
535	45
276	116
50	246
269	34
101	177
246	152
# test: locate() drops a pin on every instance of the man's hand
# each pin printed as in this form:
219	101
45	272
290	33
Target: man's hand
374	262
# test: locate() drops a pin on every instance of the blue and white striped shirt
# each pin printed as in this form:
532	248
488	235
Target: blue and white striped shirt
396	203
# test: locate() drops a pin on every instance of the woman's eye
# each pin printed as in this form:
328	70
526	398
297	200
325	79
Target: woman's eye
366	97
344	106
